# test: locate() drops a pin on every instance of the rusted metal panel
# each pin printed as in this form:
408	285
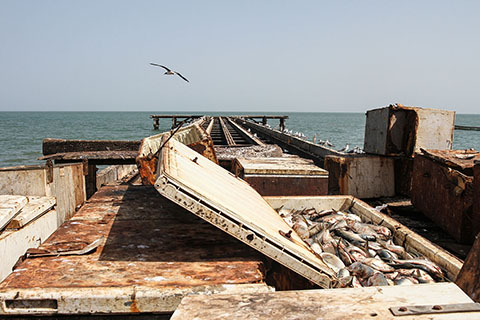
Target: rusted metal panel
376	129
114	173
52	146
403	175
149	244
287	176
127	302
468	278
288	185
476	192
192	135
401	130
446	196
353	303
461	160
278	165
363	176
67	185
229	203
14	243
96	157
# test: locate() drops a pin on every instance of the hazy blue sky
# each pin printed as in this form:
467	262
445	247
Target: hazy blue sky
239	55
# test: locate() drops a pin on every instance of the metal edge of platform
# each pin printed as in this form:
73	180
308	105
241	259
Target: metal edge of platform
247	235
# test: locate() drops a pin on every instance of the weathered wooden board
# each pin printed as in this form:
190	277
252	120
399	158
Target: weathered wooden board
10	205
469	277
35	207
217	196
358	303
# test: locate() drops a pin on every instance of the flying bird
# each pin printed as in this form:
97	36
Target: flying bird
169	72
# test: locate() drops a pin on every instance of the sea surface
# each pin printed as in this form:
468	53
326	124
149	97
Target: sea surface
21	133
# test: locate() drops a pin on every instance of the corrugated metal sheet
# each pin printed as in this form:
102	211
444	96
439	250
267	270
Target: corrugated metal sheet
217	196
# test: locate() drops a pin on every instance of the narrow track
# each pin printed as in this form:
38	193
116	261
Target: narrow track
224	134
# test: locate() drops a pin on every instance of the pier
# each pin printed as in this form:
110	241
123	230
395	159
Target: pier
228	225
467	128
264	119
175	117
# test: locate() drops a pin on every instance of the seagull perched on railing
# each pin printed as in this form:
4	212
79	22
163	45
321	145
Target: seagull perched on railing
169	72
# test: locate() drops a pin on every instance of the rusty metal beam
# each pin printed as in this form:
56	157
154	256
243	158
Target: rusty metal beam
52	146
245	133
226	133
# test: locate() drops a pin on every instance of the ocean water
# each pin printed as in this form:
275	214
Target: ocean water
21	133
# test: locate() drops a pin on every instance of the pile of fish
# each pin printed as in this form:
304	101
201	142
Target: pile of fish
361	254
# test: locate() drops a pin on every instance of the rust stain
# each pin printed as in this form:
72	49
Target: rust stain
450	206
147	168
149	241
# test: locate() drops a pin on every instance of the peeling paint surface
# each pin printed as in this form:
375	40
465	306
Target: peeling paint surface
149	242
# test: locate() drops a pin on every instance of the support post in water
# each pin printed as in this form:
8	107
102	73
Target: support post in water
282	124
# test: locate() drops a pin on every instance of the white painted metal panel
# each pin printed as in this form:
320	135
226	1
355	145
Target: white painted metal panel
35	207
10	205
217	196
14	244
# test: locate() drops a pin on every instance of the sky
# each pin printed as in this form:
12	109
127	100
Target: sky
269	56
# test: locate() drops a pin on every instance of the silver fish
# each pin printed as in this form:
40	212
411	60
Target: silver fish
361	270
423	276
425	265
342	273
378	279
332	261
386	255
383	232
350	236
356	253
378	264
403	281
316	248
301	228
344	255
356	283
389	245
353	217
362	228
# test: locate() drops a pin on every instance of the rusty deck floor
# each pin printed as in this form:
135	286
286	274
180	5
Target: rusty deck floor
149	242
402	210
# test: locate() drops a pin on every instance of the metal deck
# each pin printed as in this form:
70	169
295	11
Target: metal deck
154	253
